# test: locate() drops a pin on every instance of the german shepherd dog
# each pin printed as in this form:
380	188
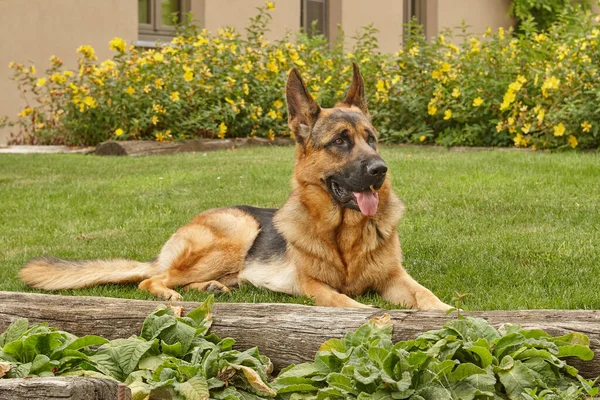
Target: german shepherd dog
335	236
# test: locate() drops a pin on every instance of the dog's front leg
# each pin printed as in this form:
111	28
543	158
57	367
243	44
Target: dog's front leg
402	289
324	295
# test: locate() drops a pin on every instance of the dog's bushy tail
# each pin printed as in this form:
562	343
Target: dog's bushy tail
51	273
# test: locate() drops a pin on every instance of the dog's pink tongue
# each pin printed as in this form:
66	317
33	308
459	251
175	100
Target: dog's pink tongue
367	202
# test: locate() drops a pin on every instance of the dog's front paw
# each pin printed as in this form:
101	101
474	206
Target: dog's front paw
426	300
171	295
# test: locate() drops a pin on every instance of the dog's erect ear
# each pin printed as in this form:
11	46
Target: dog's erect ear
356	93
303	111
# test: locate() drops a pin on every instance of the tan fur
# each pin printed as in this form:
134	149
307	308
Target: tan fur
332	252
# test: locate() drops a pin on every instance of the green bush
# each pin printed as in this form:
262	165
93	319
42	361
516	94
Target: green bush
537	90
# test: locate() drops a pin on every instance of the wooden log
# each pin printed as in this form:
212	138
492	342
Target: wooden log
148	147
286	333
63	388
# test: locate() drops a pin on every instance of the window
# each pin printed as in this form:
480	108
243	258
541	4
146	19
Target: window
314	12
417	10
155	18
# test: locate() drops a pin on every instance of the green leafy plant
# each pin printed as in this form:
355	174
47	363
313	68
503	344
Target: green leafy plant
466	359
176	356
543	12
172	354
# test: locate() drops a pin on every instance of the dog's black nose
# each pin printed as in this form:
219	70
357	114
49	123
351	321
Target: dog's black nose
377	168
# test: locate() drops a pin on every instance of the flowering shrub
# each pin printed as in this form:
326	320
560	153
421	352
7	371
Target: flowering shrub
537	90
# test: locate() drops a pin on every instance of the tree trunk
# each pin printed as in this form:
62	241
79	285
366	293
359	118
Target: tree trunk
148	147
286	333
63	388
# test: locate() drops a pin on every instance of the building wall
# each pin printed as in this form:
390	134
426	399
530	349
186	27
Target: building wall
479	14
237	13
34	30
385	15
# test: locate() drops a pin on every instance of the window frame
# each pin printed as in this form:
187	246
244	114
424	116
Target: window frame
155	30
304	17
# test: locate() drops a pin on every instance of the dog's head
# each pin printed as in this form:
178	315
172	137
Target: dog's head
336	147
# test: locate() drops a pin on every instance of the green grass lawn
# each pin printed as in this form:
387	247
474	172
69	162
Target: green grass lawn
517	230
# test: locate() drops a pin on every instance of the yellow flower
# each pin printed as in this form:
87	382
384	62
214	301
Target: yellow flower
520	140
550	83
272	66
246	89
40	82
118	44
118	132
271	134
90	102
526	128
382	86
327	80
159	108
159	57
11	64
188	76
559	129
130	90
539	37
174	96
32	70
222	130
27	111
477	102
87	51
456	93
272	114
154	120
270	5
446	67
68	74
431	109
159	83
160	137
573	141
540	116
447	114
586	126
414	51
423	138
501	33
278	104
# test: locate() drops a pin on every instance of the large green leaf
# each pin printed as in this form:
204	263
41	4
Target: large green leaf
516	379
128	352
14	331
86	341
576	350
195	388
472	329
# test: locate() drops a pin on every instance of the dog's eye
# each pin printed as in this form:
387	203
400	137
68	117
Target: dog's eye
371	139
338	141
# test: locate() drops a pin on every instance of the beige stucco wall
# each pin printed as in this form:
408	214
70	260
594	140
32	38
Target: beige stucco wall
385	15
33	30
479	14
237	13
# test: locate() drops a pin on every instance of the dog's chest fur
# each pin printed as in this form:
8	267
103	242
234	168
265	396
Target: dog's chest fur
341	247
